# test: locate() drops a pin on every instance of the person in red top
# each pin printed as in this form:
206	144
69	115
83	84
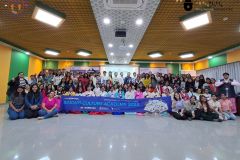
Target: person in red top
84	80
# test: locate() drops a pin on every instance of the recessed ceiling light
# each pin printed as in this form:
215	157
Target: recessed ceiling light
5	5
125	62
155	54
113	62
193	21
83	52
186	55
52	52
106	21
130	45
27	53
45	14
110	45
112	54
210	57
139	22
128	54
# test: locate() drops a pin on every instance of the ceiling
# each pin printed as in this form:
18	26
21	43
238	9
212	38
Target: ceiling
82	29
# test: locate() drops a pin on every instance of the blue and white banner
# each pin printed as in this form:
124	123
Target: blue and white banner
103	104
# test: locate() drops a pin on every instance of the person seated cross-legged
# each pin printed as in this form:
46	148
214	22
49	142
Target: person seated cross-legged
49	107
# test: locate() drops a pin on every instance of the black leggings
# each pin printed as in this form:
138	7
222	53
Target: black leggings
207	116
31	113
177	116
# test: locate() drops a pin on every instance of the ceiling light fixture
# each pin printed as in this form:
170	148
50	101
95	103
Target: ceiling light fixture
125	62
187	55
106	21
27	53
112	54
130	45
84	53
128	54
196	19
110	45
113	62
210	57
52	52
48	15
155	54
139	22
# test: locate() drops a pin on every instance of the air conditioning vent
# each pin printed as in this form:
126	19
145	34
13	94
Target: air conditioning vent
125	4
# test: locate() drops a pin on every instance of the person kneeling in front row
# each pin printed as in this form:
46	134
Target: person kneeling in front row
49	107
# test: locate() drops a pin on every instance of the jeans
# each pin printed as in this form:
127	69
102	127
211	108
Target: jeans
229	116
13	115
43	113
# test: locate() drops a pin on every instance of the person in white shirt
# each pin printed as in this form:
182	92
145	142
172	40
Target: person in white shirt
166	86
103	92
57	79
121	79
89	92
155	93
146	93
94	80
191	93
115	78
198	94
97	90
129	94
216	106
104	78
134	78
111	93
206	94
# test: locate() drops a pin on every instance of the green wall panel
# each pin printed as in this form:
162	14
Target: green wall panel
144	65
76	63
50	65
217	61
19	63
174	67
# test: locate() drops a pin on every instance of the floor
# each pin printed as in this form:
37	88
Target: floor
84	137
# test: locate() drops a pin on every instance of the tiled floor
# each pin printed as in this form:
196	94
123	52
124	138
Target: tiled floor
84	137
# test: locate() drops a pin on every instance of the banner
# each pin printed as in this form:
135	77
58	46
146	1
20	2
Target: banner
155	70
103	104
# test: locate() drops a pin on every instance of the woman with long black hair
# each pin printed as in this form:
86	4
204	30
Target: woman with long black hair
16	104
33	101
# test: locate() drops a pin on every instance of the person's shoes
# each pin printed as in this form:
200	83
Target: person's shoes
220	120
189	118
40	118
56	115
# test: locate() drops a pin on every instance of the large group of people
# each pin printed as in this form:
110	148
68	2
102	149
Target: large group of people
192	97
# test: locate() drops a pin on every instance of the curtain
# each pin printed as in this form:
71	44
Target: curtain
217	72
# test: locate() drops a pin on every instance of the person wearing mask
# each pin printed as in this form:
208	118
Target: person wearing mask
226	86
16	104
49	107
33	101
